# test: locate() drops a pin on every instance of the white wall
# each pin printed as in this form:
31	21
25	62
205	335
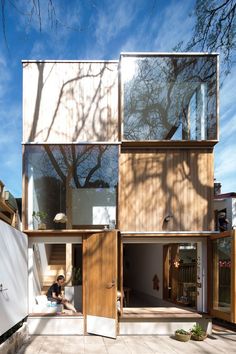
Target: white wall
230	205
40	257
234	213
38	262
144	261
13	276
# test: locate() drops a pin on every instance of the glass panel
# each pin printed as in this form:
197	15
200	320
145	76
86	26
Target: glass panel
77	180
169	97
222	274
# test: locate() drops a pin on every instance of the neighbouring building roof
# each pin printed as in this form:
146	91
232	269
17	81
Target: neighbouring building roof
225	195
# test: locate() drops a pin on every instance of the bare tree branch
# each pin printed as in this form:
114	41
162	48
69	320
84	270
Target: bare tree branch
215	28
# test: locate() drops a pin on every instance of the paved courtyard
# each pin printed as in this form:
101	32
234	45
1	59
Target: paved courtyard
221	341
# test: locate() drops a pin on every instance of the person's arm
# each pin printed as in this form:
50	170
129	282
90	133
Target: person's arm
55	291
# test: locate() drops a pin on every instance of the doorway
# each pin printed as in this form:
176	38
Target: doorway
180	274
159	274
142	275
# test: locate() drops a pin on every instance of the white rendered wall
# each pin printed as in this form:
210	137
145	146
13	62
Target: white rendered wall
13	277
234	213
230	205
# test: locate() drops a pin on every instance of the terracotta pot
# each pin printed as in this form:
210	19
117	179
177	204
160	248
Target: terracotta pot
182	337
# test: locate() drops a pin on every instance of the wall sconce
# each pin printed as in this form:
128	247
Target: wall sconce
168	217
60	218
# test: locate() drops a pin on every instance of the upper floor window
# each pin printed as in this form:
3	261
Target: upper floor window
168	97
77	180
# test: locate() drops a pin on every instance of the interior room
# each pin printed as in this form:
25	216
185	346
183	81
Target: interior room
160	275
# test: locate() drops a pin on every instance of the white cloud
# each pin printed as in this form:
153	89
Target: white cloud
55	19
225	164
38	50
163	30
116	16
5	76
174	25
228	126
10	147
227	91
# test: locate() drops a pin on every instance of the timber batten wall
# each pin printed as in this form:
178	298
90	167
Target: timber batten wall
83	100
155	183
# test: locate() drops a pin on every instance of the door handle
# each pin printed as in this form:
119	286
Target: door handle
111	284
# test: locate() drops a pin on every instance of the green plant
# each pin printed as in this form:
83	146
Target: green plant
182	331
197	330
182	335
77	276
40	216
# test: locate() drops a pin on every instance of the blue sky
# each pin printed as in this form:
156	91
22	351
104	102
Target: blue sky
97	29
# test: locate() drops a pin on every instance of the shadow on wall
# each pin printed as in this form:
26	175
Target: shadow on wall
83	100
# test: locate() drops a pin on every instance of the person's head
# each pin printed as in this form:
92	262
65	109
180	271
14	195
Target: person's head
60	279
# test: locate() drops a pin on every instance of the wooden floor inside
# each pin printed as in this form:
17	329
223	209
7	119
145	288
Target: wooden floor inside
158	312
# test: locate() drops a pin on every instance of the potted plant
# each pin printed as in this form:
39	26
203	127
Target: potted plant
40	217
182	335
198	333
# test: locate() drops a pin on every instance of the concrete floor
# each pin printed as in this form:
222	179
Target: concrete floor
221	341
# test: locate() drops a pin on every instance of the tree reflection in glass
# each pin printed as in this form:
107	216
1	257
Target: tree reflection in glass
74	179
169	97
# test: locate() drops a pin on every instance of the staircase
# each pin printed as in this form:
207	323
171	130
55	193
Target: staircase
56	266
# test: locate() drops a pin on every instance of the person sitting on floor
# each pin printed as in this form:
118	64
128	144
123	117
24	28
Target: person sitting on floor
54	294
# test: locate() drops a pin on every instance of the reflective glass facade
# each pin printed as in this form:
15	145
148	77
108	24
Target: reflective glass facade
169	97
78	180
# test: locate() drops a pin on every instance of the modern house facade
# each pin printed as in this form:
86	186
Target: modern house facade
124	151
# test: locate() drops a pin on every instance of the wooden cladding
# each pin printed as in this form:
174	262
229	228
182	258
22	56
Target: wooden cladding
69	102
156	184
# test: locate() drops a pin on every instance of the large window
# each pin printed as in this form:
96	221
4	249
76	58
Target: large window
169	97
77	180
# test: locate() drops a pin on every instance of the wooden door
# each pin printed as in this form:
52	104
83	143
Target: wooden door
222	276
100	254
174	271
170	272
166	272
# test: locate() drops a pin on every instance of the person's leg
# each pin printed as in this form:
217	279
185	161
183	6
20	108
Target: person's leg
69	306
